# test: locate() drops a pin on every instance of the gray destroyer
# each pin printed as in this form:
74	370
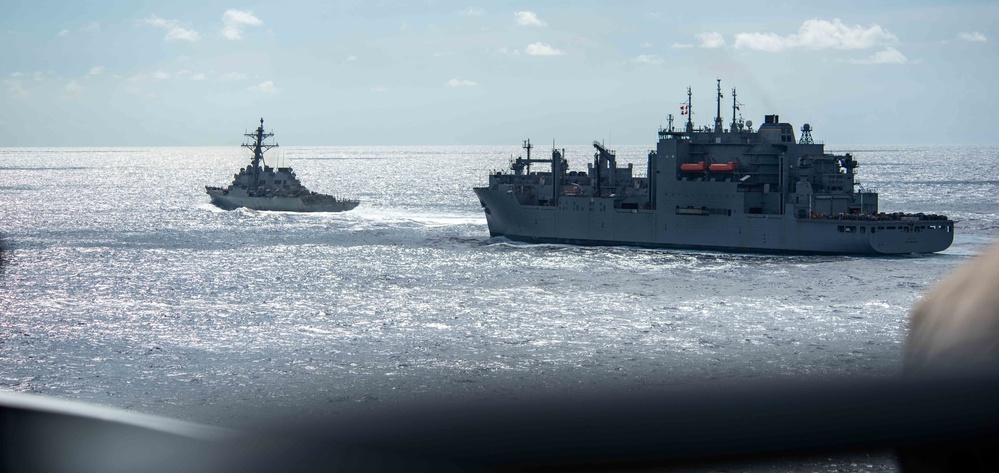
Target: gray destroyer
262	187
734	189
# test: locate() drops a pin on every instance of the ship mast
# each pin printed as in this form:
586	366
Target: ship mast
690	113
718	119
259	148
735	106
528	146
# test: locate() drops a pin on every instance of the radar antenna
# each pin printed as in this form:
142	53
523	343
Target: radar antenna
806	135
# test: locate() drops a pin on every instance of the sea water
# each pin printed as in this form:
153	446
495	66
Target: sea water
125	287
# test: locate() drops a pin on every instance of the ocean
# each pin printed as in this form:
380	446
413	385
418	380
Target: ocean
125	287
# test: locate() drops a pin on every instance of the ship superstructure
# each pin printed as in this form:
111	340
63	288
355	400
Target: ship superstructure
735	189
262	187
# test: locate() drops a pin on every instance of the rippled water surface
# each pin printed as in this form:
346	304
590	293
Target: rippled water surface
126	288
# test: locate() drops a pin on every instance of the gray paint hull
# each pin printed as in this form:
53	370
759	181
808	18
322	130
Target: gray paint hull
284	204
594	221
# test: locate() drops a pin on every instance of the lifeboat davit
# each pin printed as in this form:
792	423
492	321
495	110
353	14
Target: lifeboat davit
693	167
727	167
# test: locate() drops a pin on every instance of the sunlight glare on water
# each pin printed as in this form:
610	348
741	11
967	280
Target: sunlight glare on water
127	288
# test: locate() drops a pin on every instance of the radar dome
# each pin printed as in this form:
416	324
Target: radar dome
806	127
749	123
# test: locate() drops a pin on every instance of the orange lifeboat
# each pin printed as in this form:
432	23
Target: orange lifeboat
727	167
693	167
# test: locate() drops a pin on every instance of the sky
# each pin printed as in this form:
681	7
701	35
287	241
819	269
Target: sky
379	72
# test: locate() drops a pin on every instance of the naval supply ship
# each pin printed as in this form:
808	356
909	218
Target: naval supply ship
262	187
710	188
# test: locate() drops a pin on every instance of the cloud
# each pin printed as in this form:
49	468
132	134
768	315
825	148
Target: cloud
647	44
17	74
541	49
163	75
233	76
460	83
818	34
266	87
63	33
95	71
887	56
472	11
94	27
974	37
174	30
711	40
647	59
681	46
73	90
380	88
351	57
528	18
15	88
235	20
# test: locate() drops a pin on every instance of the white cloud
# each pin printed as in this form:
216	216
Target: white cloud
235	21
173	29
472	11
887	56
233	76
646	44
681	46
819	34
461	83
378	89
266	87
94	27
16	89
95	71
974	36
198	76
506	50
17	74
647	59
769	42
63	33
351	57
711	40
73	89
160	75
541	49
528	18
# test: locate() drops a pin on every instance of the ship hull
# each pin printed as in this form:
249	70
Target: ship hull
593	221
281	204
